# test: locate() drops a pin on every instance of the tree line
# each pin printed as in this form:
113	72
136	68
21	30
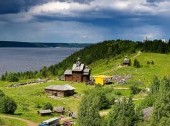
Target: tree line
90	54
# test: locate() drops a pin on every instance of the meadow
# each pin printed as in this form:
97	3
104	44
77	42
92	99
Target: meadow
30	98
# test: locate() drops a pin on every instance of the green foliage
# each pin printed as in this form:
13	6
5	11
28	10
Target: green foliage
44	72
12	77
1	122
134	89
122	114
155	85
88	112
2	94
93	53
136	63
159	98
7	105
153	94
48	106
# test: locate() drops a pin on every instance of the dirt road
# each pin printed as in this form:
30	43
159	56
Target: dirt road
28	122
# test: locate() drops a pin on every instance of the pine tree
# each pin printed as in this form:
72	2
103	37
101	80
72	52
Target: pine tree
122	114
88	113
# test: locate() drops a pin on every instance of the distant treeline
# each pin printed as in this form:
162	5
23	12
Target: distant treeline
92	53
41	45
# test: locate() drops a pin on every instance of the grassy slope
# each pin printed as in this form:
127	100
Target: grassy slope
28	97
144	74
11	122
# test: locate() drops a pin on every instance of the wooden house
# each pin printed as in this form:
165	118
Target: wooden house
60	90
102	79
126	61
78	73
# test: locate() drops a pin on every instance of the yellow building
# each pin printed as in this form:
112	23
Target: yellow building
101	79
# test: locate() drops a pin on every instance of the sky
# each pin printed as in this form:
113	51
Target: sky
83	21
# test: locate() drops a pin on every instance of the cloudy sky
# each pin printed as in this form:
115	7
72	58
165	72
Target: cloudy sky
83	20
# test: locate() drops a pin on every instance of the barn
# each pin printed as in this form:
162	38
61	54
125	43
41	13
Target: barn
60	90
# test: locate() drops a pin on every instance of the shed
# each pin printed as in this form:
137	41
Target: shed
45	112
102	79
126	61
59	109
60	90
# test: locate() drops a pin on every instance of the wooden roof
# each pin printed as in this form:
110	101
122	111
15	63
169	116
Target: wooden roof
65	87
45	111
68	72
78	67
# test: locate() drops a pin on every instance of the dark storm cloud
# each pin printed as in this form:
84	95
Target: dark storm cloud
16	6
83	20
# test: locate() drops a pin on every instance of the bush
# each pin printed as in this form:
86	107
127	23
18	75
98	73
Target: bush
1	93
48	106
7	105
134	89
136	63
118	93
1	122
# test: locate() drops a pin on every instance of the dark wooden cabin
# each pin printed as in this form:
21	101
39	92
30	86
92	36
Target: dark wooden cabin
60	90
78	73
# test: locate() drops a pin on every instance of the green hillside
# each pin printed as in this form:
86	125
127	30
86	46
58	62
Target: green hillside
104	59
144	74
105	50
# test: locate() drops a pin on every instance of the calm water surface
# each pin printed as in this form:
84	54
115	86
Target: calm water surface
26	59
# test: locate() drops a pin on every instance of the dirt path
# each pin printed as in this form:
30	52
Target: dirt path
28	122
137	55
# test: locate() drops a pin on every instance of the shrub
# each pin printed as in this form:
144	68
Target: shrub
118	93
48	106
134	89
1	122
1	93
7	105
136	63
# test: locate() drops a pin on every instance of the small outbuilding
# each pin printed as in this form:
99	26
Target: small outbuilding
102	79
45	112
59	109
126	61
60	90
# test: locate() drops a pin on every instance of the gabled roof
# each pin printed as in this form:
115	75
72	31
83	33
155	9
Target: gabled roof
65	87
86	70
78	67
68	72
45	111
